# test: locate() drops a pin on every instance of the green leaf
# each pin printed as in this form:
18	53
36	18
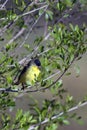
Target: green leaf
41	12
71	26
42	48
19	114
66	122
77	68
49	15
52	127
60	83
68	73
16	2
9	79
68	3
27	46
8	46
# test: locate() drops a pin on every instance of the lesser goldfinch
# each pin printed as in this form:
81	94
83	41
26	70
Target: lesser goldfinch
30	73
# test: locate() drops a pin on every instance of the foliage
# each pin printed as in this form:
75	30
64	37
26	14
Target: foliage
60	46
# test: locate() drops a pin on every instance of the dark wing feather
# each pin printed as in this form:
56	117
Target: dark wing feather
24	70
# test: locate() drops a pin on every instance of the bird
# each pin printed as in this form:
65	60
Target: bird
29	73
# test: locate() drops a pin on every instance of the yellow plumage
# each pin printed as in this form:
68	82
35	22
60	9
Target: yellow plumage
30	76
30	73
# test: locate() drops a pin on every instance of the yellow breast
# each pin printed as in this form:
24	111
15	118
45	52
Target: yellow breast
31	75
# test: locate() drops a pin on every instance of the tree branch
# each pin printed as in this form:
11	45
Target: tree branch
20	32
38	89
3	5
47	36
12	22
57	116
32	11
33	27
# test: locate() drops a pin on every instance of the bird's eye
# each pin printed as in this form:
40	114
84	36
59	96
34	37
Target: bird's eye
37	62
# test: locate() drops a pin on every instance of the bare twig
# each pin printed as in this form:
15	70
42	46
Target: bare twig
32	11
19	33
3	5
33	27
23	29
16	36
11	23
51	76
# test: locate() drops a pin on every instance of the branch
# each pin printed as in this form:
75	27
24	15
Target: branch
47	36
16	36
21	62
3	5
57	116
33	27
8	90
51	76
12	22
19	33
41	88
23	29
21	91
49	86
32	11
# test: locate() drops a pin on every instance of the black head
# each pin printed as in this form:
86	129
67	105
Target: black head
37	62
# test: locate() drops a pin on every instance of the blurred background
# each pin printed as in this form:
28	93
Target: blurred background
75	85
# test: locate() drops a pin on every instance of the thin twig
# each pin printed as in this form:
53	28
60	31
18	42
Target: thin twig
12	22
32	11
57	116
3	5
33	27
20	32
16	36
51	76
